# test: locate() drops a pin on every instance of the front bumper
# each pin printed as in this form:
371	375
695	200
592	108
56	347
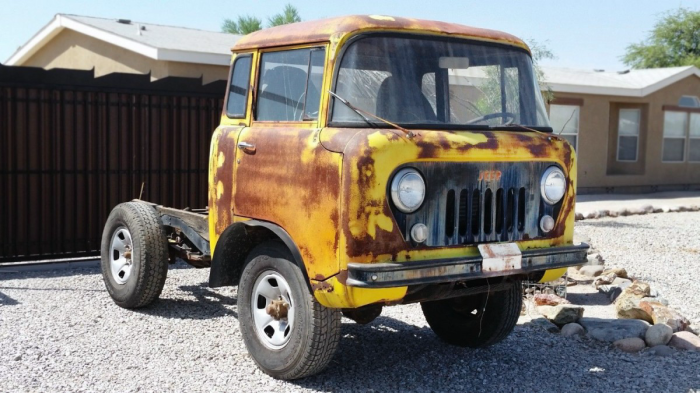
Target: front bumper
387	275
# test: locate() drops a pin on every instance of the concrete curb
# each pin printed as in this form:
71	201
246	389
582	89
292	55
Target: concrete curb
54	264
646	209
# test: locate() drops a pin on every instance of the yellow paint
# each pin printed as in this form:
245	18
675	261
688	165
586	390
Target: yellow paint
342	296
221	160
551	275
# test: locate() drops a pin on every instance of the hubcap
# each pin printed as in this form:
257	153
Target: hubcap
120	254
272	309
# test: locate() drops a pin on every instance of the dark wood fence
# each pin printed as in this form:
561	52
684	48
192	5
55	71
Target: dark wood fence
73	146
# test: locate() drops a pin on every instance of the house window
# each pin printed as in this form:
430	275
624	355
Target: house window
565	122
628	134
681	133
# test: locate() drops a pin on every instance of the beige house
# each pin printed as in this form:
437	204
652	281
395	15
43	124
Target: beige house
120	45
634	131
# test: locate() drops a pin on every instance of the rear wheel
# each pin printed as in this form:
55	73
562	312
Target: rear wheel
134	255
287	332
476	320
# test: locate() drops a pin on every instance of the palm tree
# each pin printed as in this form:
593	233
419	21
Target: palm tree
289	15
245	24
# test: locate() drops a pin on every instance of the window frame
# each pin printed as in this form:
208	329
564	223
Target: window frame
344	48
575	104
688	112
259	74
639	126
690	137
244	115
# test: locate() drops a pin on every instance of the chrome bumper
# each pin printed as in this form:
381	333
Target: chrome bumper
386	275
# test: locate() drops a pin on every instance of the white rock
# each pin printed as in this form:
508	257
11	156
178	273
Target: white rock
591	270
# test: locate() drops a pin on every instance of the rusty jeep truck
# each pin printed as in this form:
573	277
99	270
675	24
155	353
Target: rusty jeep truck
363	162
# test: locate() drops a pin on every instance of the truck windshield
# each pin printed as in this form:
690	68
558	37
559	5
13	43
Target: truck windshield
421	81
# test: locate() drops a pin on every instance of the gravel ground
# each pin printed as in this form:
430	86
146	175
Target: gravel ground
60	331
662	249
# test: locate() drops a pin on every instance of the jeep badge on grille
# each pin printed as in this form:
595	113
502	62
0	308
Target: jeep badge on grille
489	175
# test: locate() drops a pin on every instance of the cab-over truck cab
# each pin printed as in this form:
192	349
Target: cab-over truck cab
361	162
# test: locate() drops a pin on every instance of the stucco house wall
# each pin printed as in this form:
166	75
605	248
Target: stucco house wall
73	50
598	167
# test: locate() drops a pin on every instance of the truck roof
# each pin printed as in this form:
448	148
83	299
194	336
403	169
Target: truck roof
339	29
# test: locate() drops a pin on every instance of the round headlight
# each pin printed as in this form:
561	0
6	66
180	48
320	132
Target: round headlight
407	190
553	185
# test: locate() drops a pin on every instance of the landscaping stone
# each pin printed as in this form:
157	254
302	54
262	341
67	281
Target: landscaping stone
694	328
630	345
595	259
627	304
604	279
656	300
611	330
579	216
658	334
661	350
572	329
618	271
561	314
662	314
549	300
615	289
591	270
544	324
627	307
685	340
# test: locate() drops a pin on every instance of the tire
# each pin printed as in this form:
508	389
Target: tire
134	239
314	330
463	322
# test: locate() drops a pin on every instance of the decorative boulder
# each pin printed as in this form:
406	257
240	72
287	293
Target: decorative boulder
659	334
627	304
630	345
685	340
611	330
572	329
662	314
549	300
618	271
591	270
561	314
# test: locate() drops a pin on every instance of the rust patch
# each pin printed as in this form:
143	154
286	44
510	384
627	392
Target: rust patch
343	276
322	286
325	30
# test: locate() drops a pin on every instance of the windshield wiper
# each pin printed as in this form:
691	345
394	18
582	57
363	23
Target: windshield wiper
364	114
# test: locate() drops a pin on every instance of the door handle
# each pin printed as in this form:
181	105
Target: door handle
247	147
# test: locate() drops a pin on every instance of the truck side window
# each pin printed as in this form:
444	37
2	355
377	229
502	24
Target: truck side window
313	90
238	91
283	86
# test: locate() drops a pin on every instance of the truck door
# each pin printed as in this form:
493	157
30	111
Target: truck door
283	173
224	151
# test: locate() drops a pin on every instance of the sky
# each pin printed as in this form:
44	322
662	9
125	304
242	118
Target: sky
584	34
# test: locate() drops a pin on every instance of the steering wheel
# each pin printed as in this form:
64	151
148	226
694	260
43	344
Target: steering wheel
503	115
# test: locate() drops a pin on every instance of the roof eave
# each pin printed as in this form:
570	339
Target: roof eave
61	22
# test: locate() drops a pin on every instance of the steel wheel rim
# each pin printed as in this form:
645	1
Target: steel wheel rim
272	330
120	255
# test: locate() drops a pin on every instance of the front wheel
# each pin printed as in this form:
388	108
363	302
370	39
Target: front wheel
477	320
287	332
